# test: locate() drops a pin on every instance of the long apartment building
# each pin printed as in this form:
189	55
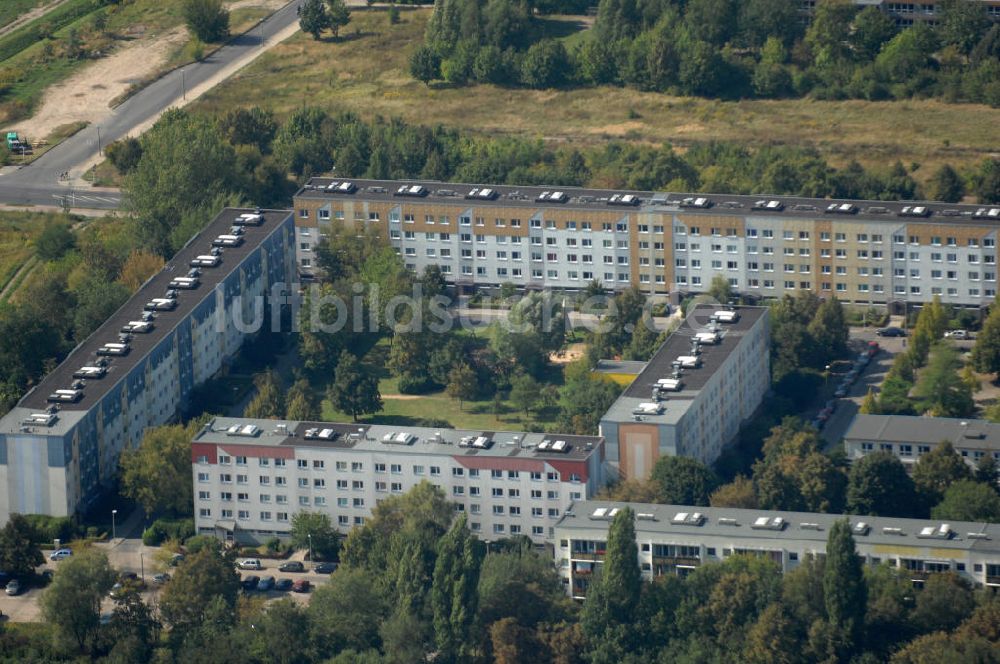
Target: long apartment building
59	446
677	539
864	252
906	13
707	378
910	437
251	476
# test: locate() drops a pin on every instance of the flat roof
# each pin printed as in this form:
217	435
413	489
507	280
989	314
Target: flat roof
802	526
679	344
926	430
408	440
119	366
794	207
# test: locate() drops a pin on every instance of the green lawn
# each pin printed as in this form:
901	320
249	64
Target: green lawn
11	9
18	231
417	410
368	74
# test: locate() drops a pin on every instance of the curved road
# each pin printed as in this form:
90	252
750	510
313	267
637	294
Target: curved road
38	183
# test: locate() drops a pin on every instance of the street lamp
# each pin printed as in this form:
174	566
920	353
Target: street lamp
142	567
310	536
113	513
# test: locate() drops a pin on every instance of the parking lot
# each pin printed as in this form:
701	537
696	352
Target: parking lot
131	556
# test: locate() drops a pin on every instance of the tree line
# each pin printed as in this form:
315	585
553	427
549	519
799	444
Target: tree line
414	584
720	49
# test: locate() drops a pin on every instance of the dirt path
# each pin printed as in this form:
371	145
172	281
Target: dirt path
16	280
30	16
401	397
86	95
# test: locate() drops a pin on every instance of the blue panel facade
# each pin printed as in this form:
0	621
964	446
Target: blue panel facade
185	359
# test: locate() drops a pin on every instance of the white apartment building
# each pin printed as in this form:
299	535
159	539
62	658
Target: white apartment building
910	437
60	445
251	476
708	377
676	539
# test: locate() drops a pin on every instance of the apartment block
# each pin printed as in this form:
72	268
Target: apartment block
910	437
905	14
677	539
252	476
690	399
865	252
60	445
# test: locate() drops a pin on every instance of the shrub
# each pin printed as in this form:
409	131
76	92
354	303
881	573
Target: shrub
207	20
50	528
124	155
164	529
410	383
199	542
273	545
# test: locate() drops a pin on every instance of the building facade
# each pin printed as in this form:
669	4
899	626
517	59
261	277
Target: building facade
910	437
60	445
252	476
675	539
707	378
906	13
872	253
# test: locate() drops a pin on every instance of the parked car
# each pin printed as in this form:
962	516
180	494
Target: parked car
250	582
13	587
283	585
265	584
59	554
842	390
873	348
291	566
249	563
957	334
890	332
301	586
325	568
161	578
176	559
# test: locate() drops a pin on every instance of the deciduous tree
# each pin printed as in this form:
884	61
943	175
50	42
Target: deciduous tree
203	576
353	391
878	485
19	553
72	603
843	583
157	474
967	500
453	592
314	531
208	20
681	480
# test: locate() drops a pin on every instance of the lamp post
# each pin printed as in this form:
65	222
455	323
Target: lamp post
142	567
113	533
310	536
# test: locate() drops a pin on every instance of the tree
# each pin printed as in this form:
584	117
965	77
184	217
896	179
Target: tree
878	485
583	399
54	241
986	181
772	639
945	601
174	190
302	402
738	493
614	591
315	532
354	391
545	64
938	469
988	471
525	392
138	267
19	554
682	481
267	403
135	628
962	24
946	185
720	290
986	351
345	612
872	29
462	384
829	329
941	389
313	18
967	500
250	126
870	404
339	15
843	582
425	64
72	602
124	154
96	301
157	474
829	31
207	20
453	592
281	634
203	576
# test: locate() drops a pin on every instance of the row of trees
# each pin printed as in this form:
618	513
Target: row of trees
720	48
414	582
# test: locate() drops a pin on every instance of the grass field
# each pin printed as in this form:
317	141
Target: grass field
18	231
411	410
11	9
367	72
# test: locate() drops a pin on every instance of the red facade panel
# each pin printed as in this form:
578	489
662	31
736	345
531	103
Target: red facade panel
501	463
259	451
567	468
208	450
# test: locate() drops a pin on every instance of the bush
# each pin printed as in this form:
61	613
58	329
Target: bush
273	545
50	528
199	542
164	529
124	155
93	532
207	19
410	383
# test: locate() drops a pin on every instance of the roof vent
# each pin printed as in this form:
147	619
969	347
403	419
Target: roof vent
552	197
243	430
624	200
401	438
319	434
768	523
978	536
695	202
413	191
810	526
726	521
644	408
688	519
770	206
941	532
892	531
860	528
482	194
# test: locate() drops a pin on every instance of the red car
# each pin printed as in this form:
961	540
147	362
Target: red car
873	348
301	586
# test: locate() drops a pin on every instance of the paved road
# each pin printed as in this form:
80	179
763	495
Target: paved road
39	183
